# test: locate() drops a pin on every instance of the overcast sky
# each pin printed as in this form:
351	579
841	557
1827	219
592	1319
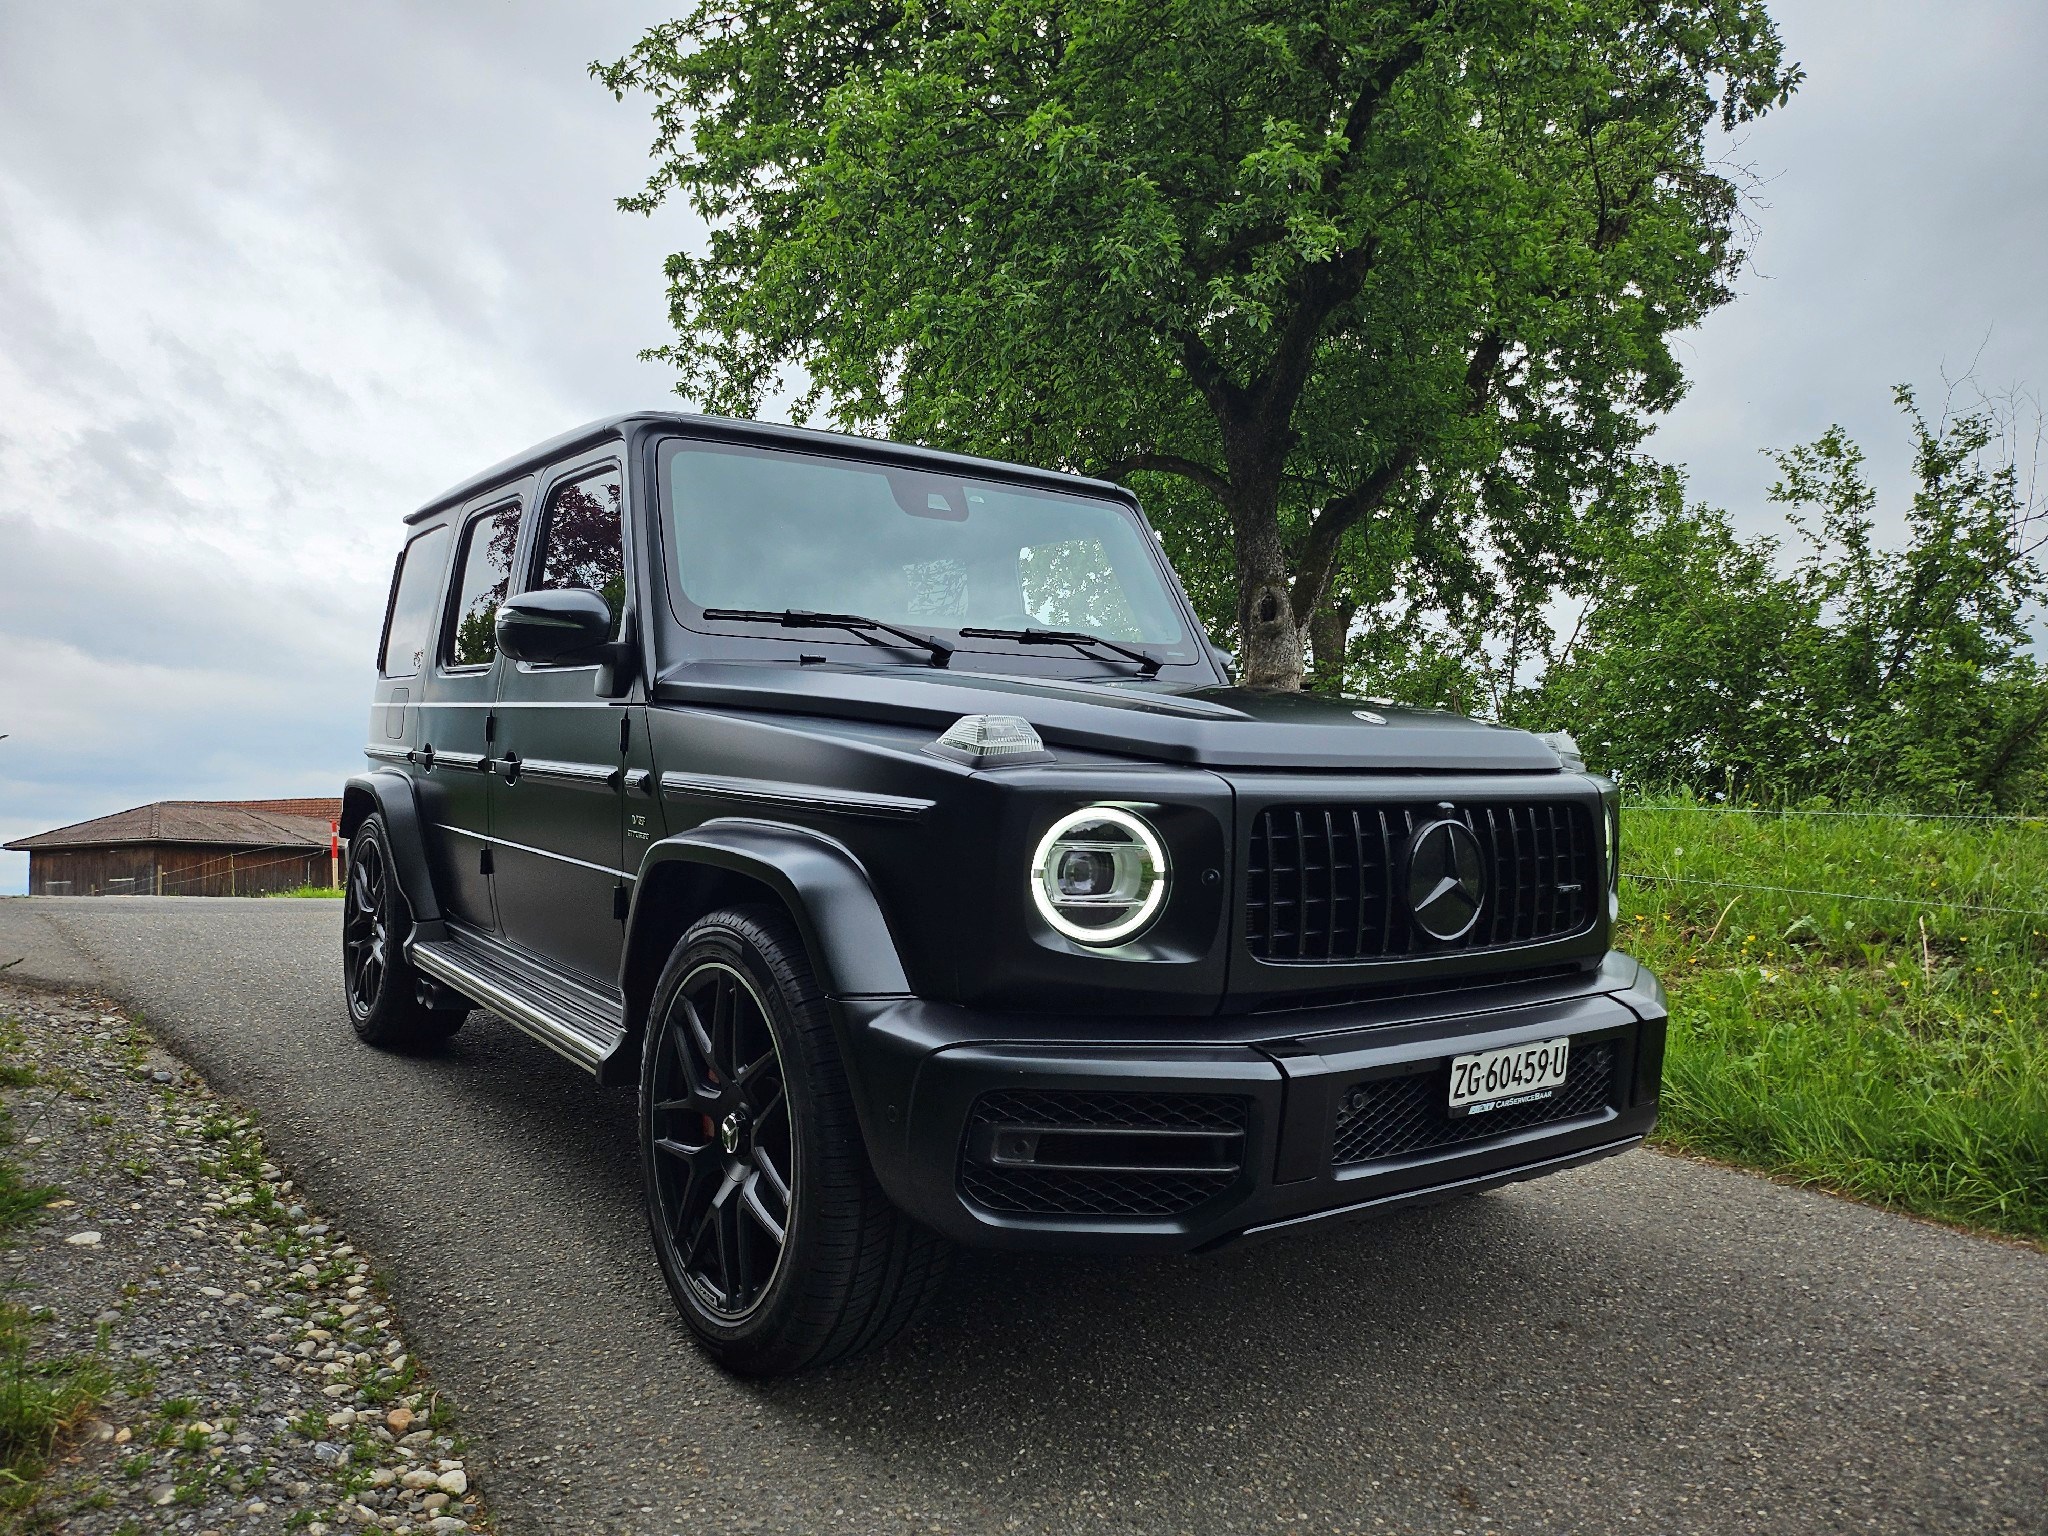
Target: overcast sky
271	274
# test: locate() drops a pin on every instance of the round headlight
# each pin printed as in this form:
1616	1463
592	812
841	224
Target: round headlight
1099	875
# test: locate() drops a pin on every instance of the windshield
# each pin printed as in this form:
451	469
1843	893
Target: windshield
754	528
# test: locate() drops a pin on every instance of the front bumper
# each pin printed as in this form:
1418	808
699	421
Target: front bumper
1077	1135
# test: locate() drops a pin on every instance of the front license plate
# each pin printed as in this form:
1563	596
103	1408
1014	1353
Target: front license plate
1520	1074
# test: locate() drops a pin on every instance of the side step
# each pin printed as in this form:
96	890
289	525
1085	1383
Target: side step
563	1015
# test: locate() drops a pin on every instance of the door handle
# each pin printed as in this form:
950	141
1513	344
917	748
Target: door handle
509	764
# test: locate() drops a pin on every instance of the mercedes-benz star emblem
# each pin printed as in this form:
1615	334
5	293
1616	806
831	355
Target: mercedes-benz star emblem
1446	880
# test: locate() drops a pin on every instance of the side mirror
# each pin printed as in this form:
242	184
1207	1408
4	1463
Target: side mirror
571	624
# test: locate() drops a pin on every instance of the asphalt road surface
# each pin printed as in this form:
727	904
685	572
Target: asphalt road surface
1645	1345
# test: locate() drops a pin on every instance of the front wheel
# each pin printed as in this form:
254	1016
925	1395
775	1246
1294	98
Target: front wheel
779	1247
382	988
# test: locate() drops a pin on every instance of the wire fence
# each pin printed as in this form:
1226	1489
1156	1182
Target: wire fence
1921	901
1745	810
1793	890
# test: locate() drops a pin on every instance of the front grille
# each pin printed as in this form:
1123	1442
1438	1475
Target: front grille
1325	884
1077	1127
1396	1116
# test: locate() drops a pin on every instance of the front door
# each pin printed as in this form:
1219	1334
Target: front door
558	803
452	746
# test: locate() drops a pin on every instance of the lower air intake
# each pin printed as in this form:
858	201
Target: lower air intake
1399	1116
1102	1155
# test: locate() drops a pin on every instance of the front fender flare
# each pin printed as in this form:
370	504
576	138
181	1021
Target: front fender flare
824	888
390	794
823	885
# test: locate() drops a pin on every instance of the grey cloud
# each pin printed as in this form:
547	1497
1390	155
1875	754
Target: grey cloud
187	606
1904	210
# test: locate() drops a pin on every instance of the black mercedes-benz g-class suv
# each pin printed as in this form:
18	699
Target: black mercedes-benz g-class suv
887	818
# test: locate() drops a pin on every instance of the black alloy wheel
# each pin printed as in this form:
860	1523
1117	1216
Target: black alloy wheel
777	1243
365	927
382	988
723	1139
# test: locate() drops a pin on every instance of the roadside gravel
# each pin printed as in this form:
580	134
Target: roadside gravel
261	1382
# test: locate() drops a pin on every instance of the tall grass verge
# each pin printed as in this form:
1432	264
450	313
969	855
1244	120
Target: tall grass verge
1857	1001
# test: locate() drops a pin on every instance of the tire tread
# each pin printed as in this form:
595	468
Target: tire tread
872	1267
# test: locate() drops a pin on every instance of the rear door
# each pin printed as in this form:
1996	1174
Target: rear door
558	809
452	752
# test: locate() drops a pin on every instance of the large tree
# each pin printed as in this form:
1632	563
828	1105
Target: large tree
1379	275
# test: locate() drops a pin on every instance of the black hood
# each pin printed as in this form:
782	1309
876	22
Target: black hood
1217	727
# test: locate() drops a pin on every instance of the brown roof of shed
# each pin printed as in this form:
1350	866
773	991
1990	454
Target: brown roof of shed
211	823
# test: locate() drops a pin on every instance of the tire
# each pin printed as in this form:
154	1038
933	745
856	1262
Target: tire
747	1129
381	986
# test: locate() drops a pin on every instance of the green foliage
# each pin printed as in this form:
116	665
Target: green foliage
1892	1049
1378	286
1856	672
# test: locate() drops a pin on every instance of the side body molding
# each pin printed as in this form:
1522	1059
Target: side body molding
390	792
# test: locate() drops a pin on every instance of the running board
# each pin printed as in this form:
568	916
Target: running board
568	1019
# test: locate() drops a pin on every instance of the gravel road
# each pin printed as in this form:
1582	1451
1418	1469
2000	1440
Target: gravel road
1645	1345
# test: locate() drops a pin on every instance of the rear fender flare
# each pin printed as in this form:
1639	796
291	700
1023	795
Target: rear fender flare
390	794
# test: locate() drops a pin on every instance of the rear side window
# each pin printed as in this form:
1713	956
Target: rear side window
411	619
486	568
581	541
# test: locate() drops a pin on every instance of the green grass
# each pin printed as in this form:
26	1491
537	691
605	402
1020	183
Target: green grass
1895	1050
320	891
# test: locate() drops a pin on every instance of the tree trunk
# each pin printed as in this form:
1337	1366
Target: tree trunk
1329	635
1271	640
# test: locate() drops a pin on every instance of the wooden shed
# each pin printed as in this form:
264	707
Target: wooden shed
186	848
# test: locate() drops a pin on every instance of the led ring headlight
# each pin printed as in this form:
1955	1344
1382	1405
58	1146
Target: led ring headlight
1099	875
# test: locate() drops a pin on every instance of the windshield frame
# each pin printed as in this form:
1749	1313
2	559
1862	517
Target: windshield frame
1188	660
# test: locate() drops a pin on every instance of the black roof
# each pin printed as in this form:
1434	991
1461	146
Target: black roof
769	434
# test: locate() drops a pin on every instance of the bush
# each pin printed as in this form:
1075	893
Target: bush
1859	672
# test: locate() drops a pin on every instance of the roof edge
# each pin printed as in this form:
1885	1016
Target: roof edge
769	434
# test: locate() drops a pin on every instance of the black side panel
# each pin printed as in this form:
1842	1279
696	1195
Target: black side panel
391	793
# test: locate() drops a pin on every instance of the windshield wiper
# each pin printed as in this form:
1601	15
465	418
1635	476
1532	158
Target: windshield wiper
1073	637
800	618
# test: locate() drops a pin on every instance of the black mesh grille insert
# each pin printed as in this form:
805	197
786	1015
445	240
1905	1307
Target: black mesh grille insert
1022	1190
1324	884
1067	1192
1152	1111
1401	1115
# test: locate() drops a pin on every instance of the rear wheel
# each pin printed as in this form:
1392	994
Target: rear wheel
381	985
778	1245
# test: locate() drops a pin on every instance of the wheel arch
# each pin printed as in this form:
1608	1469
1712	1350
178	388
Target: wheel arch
816	882
390	794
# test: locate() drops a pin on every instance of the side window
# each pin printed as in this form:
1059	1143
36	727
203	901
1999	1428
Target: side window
581	541
485	569
411	618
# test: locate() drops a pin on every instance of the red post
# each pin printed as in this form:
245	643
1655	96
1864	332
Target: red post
334	855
